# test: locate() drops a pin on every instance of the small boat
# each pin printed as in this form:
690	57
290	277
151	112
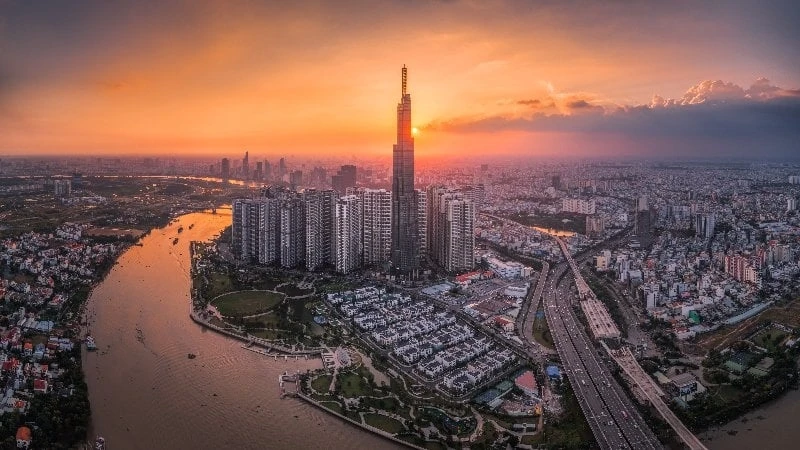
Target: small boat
100	443
191	226
192	356
90	344
180	229
175	241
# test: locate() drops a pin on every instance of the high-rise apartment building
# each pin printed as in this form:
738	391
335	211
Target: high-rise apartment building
376	207
319	215
292	232
269	229
422	222
62	188
450	230
246	166
459	236
704	225
347	234
404	208
578	205
254	232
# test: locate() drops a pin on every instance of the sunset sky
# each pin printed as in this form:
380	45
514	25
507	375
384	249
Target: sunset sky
563	78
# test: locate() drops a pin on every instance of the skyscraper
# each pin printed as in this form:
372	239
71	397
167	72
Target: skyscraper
460	236
225	169
422	223
347	233
404	208
451	222
377	231
344	179
319	212
246	166
292	232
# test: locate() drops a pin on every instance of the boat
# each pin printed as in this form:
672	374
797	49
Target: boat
100	443
175	241
90	344
180	229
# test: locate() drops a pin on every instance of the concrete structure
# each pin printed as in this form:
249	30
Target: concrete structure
292	232
578	206
422	222
404	209
319	213
450	231
62	188
704	225
344	179
347	234
376	207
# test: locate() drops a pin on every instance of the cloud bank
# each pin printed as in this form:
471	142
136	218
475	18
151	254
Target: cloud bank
712	119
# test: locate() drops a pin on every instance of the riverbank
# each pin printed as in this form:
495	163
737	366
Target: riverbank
366	427
146	393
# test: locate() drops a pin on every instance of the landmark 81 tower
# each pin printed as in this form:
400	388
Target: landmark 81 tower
404	204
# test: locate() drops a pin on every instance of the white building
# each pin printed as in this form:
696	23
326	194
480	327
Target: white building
578	205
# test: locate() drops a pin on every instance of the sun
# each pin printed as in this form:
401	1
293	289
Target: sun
415	131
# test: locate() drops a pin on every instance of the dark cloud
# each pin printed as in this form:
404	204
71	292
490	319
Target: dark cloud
720	119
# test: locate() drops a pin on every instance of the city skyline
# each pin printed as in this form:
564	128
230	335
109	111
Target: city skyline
508	78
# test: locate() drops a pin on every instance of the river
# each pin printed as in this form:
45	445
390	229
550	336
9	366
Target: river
773	426
145	392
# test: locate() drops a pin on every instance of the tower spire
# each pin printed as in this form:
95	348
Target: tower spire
405	79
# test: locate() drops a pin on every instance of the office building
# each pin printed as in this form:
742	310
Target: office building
225	170
246	166
404	208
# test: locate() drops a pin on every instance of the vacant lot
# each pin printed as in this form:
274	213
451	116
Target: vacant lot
247	303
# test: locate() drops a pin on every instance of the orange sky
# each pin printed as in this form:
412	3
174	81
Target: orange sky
323	77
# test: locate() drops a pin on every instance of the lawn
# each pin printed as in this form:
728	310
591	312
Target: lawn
321	384
769	338
247	303
219	283
354	385
384	423
333	406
